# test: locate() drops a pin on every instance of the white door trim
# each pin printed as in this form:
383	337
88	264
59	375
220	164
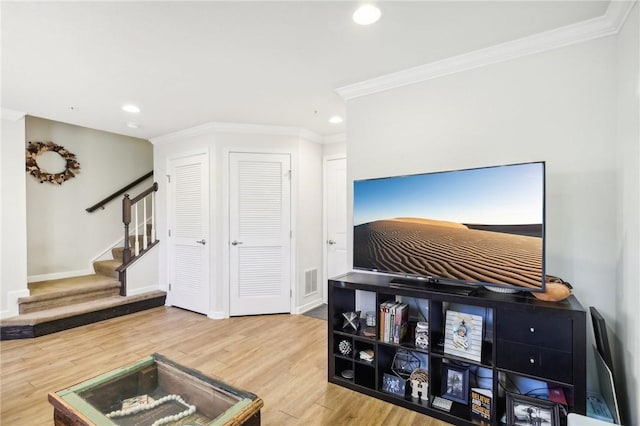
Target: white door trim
225	241
325	236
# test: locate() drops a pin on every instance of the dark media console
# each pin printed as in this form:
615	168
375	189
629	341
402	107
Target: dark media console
521	348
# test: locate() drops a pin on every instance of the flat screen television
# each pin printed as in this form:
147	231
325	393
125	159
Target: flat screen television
481	226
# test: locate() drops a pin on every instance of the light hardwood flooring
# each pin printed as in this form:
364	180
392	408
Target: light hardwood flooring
281	358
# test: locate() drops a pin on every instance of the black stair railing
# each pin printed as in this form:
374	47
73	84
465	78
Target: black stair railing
101	204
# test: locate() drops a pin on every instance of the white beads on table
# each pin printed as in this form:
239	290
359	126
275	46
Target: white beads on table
144	407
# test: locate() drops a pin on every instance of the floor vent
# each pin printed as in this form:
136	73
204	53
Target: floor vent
310	281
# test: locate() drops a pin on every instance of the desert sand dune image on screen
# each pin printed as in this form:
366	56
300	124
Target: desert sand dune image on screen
450	250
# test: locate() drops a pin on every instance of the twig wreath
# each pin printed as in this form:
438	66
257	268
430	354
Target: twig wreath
72	167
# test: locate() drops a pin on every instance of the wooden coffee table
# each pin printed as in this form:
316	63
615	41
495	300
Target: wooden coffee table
150	390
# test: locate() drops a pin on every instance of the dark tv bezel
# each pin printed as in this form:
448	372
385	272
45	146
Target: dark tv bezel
434	280
601	336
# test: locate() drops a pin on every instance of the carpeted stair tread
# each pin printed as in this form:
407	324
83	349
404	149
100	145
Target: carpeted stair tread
56	289
107	267
56	293
57	313
117	253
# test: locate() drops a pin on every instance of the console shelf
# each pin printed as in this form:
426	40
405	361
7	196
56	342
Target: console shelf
510	344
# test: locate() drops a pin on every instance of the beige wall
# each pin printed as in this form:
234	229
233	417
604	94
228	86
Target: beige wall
62	238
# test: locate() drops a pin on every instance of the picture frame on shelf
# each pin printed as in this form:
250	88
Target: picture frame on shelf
525	410
463	335
393	384
455	383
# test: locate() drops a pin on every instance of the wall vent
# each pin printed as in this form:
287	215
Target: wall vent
310	281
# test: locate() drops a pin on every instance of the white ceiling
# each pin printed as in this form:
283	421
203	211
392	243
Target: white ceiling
278	63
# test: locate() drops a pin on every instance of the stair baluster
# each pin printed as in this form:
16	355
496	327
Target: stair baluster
129	204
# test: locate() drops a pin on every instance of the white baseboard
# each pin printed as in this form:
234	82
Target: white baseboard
141	290
59	275
12	303
217	315
308	306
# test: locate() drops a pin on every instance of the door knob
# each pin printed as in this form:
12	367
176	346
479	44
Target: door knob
202	241
331	242
235	243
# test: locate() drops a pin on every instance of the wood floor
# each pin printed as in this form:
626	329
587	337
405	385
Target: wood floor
281	358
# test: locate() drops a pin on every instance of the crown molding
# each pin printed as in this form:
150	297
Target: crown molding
618	11
12	115
602	26
220	127
334	138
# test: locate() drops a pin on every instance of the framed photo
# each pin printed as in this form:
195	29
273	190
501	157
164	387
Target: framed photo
393	384
455	383
525	410
463	335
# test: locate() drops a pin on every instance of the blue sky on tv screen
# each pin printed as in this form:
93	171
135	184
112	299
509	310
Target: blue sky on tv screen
504	195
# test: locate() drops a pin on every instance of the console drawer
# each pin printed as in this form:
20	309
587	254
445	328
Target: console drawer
535	361
535	329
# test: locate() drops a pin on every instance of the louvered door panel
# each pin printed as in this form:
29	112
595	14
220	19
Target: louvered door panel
188	207
188	225
260	198
260	271
259	233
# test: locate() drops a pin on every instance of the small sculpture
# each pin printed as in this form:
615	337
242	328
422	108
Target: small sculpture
419	383
351	320
344	347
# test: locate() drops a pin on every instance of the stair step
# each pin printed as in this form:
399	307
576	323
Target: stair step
107	267
57	293
62	318
117	252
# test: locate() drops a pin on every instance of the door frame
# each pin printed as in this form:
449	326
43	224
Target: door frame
325	221
225	217
211	235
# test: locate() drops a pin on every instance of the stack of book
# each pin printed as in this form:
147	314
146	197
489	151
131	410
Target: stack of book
394	318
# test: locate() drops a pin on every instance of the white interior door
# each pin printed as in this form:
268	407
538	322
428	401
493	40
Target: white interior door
189	233
259	233
336	217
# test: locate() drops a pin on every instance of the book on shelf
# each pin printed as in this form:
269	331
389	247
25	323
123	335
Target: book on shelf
383	320
481	404
387	319
401	322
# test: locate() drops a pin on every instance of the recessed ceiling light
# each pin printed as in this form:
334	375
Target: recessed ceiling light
133	125
366	14
336	119
131	108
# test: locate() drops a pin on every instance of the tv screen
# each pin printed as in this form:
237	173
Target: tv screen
481	226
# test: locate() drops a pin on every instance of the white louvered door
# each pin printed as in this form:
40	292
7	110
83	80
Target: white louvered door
259	233
189	228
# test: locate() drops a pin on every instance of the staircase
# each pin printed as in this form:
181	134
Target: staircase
61	304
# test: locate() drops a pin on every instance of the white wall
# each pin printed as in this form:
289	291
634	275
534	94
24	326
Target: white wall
334	149
13	225
627	321
218	140
556	106
309	222
62	237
